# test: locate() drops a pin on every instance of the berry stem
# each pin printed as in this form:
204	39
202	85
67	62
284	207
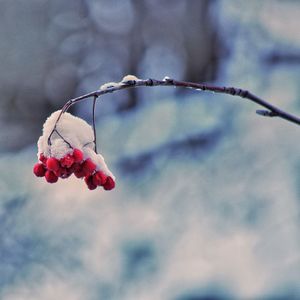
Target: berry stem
63	138
94	126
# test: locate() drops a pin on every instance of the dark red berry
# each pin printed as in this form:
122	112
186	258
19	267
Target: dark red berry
51	177
88	167
109	184
39	170
79	173
74	167
67	174
52	164
89	182
63	173
43	159
78	155
59	172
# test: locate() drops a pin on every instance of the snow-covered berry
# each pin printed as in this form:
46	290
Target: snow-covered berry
39	170
67	147
78	155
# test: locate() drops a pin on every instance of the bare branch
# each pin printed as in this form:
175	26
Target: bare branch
133	82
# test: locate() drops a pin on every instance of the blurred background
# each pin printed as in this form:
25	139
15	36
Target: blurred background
207	203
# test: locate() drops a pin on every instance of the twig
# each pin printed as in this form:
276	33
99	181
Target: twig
94	126
63	138
272	111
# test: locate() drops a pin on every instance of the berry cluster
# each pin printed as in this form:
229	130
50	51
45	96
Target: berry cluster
52	168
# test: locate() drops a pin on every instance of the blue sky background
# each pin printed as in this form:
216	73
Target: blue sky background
207	202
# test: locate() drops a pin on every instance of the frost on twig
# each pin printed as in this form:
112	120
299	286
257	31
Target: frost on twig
109	85
130	78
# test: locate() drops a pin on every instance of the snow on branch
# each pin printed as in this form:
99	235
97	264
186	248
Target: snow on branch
68	144
131	81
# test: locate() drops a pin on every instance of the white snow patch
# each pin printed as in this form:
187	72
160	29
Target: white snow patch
98	159
109	85
75	131
130	78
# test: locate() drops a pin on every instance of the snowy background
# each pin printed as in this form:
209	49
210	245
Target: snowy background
207	203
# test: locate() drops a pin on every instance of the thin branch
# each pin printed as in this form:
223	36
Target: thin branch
63	138
94	126
272	111
56	131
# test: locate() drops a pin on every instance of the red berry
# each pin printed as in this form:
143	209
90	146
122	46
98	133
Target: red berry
99	178
78	172
109	184
88	167
67	174
89	182
43	159
63	173
67	161
78	155
59	172
51	177
53	164
74	167
39	170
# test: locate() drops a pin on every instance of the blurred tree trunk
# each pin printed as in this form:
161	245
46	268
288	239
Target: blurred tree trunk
203	45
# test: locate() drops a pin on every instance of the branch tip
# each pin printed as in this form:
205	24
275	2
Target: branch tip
168	79
266	113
